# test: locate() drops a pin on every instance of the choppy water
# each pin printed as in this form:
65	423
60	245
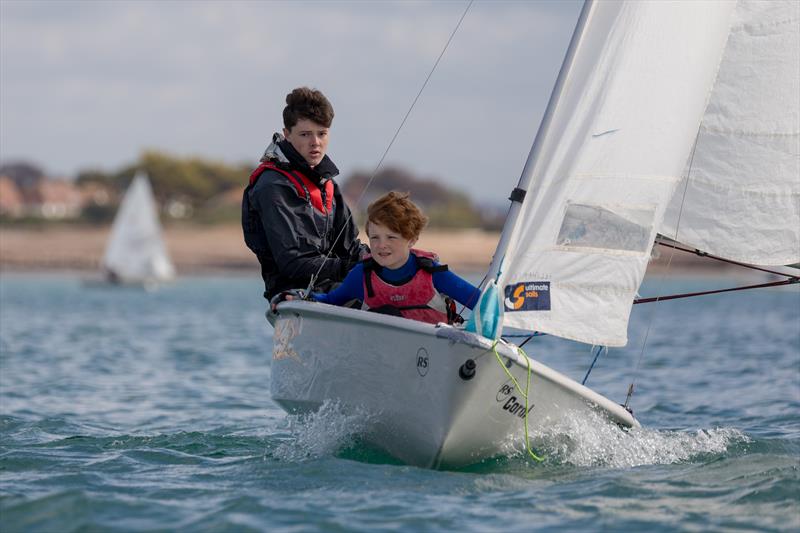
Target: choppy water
122	410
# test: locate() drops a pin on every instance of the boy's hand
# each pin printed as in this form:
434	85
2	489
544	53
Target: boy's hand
292	294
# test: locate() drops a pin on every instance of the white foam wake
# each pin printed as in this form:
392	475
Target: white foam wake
591	440
321	433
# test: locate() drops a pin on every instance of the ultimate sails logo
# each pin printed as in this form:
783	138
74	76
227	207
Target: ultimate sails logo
528	296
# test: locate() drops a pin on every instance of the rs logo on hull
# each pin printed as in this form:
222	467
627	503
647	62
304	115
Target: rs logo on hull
423	361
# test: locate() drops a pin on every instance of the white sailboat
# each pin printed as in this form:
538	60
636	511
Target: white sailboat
136	253
668	118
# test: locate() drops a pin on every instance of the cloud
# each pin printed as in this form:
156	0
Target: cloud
88	84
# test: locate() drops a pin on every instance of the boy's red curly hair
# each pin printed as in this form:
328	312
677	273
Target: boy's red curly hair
395	211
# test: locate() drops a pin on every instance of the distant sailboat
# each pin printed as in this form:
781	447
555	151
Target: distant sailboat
136	253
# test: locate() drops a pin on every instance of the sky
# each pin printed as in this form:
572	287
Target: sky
90	85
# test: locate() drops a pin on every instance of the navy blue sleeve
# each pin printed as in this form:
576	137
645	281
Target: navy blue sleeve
352	288
456	288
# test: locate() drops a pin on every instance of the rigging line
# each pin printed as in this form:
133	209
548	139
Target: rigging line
649	325
478	289
396	133
523	343
730	261
664	275
528	336
596	355
788	281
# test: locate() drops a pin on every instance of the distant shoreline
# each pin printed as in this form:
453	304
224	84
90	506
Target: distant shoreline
220	248
199	249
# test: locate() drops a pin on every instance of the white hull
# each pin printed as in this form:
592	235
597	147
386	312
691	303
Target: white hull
405	376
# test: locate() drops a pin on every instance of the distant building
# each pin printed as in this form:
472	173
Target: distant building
11	201
58	199
25	176
26	194
97	194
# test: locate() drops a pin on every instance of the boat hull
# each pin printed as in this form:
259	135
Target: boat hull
406	377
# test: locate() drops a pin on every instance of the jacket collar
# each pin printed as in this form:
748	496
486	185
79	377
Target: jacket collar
281	151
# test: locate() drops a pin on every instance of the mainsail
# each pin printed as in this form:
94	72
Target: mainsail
136	252
740	195
620	134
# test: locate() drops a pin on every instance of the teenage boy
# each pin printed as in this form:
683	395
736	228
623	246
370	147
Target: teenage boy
293	215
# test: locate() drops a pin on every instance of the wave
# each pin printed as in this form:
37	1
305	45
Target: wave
322	433
580	439
590	440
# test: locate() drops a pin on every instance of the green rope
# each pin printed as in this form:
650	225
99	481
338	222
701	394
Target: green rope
524	394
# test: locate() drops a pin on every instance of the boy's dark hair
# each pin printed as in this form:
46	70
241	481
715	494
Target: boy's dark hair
395	211
305	103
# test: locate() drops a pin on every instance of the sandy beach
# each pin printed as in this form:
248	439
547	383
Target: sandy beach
199	249
196	249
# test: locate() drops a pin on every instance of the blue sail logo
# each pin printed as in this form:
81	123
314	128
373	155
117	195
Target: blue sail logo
527	296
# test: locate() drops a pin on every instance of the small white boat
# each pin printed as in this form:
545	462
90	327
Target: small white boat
136	253
427	404
679	119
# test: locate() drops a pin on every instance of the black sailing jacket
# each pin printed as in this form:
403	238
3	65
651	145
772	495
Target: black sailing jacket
288	234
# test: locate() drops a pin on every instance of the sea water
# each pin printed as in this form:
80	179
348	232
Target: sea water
128	410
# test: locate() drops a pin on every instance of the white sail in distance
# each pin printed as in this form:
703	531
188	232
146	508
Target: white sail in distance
618	137
136	252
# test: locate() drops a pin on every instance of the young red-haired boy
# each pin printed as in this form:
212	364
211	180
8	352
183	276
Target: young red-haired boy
396	278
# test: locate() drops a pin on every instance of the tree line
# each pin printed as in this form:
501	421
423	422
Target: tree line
207	191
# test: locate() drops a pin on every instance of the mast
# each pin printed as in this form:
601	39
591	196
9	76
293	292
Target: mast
518	194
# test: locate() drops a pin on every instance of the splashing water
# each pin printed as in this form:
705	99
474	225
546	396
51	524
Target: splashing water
579	439
321	433
116	416
588	439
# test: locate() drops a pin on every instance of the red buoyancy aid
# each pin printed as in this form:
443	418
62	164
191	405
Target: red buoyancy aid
306	189
416	299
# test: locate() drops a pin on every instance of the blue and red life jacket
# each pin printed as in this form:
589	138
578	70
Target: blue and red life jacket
415	298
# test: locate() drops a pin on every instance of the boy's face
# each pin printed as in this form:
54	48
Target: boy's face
309	139
389	249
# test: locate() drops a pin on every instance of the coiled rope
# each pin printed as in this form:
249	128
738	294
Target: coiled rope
524	394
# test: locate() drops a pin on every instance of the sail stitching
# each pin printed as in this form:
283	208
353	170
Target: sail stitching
750	189
746	133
